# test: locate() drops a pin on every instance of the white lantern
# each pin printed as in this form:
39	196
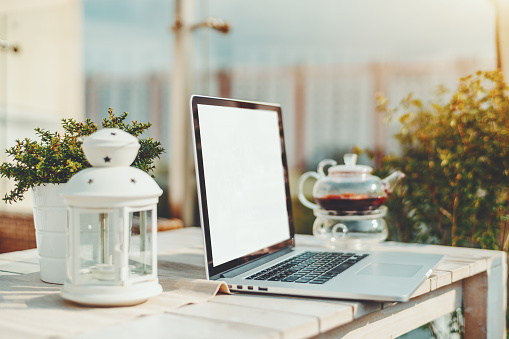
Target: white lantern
107	265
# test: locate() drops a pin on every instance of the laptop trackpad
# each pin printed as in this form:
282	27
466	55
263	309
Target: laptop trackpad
390	270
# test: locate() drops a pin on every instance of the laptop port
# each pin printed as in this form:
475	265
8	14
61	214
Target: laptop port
250	287
239	287
263	289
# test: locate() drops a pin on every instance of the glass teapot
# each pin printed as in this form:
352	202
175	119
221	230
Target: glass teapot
347	188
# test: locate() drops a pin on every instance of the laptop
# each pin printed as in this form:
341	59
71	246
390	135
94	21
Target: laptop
246	216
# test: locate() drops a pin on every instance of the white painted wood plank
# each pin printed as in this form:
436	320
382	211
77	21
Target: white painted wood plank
329	315
167	326
180	238
402	317
20	267
476	265
26	256
473	257
289	325
433	279
360	308
444	278
8	273
190	256
458	270
192	232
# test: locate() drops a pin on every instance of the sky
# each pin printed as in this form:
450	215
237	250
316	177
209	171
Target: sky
133	36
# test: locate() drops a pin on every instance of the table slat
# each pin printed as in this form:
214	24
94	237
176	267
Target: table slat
164	326
458	270
329	315
402	317
20	267
360	308
444	278
288	324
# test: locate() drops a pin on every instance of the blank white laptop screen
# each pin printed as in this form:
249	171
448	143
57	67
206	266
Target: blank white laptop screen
244	179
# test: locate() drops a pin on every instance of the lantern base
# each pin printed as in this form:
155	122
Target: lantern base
111	295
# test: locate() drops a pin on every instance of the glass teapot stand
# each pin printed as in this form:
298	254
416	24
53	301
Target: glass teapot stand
359	231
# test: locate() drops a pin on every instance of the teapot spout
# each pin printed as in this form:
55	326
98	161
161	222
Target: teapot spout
390	182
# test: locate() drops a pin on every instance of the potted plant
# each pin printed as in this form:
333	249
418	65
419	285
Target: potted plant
455	153
43	165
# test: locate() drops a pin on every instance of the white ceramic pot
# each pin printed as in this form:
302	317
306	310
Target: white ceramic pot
50	219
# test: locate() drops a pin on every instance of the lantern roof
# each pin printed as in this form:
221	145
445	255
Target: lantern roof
114	185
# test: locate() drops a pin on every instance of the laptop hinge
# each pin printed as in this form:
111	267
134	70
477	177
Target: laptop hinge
253	264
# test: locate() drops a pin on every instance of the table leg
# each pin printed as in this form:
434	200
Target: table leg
475	302
485	303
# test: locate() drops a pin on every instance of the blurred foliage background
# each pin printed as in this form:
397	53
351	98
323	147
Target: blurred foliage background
454	151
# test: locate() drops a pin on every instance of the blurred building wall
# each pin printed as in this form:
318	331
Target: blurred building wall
327	109
42	82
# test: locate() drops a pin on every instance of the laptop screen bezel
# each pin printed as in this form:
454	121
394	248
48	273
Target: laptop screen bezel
216	270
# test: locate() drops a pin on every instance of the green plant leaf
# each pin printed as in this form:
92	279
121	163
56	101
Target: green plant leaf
55	158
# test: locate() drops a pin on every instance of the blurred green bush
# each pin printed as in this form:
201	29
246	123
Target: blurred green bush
455	153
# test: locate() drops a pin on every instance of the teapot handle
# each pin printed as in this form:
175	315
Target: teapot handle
302	198
323	163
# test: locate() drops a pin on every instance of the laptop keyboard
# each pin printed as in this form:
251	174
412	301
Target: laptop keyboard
309	267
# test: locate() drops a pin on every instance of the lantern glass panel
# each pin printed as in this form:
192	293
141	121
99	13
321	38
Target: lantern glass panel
69	251
100	248
140	249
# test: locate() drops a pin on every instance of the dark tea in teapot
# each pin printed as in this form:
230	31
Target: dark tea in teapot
350	202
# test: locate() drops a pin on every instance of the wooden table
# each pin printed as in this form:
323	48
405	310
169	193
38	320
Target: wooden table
470	278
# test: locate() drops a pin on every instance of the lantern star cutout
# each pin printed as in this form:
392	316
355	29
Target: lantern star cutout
107	159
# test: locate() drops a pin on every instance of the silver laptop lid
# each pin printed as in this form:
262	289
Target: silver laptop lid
242	178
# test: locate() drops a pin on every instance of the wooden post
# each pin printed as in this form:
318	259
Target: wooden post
92	98
379	79
156	95
502	22
300	117
180	167
224	78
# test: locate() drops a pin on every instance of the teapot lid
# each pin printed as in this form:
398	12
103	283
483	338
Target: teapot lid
350	166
